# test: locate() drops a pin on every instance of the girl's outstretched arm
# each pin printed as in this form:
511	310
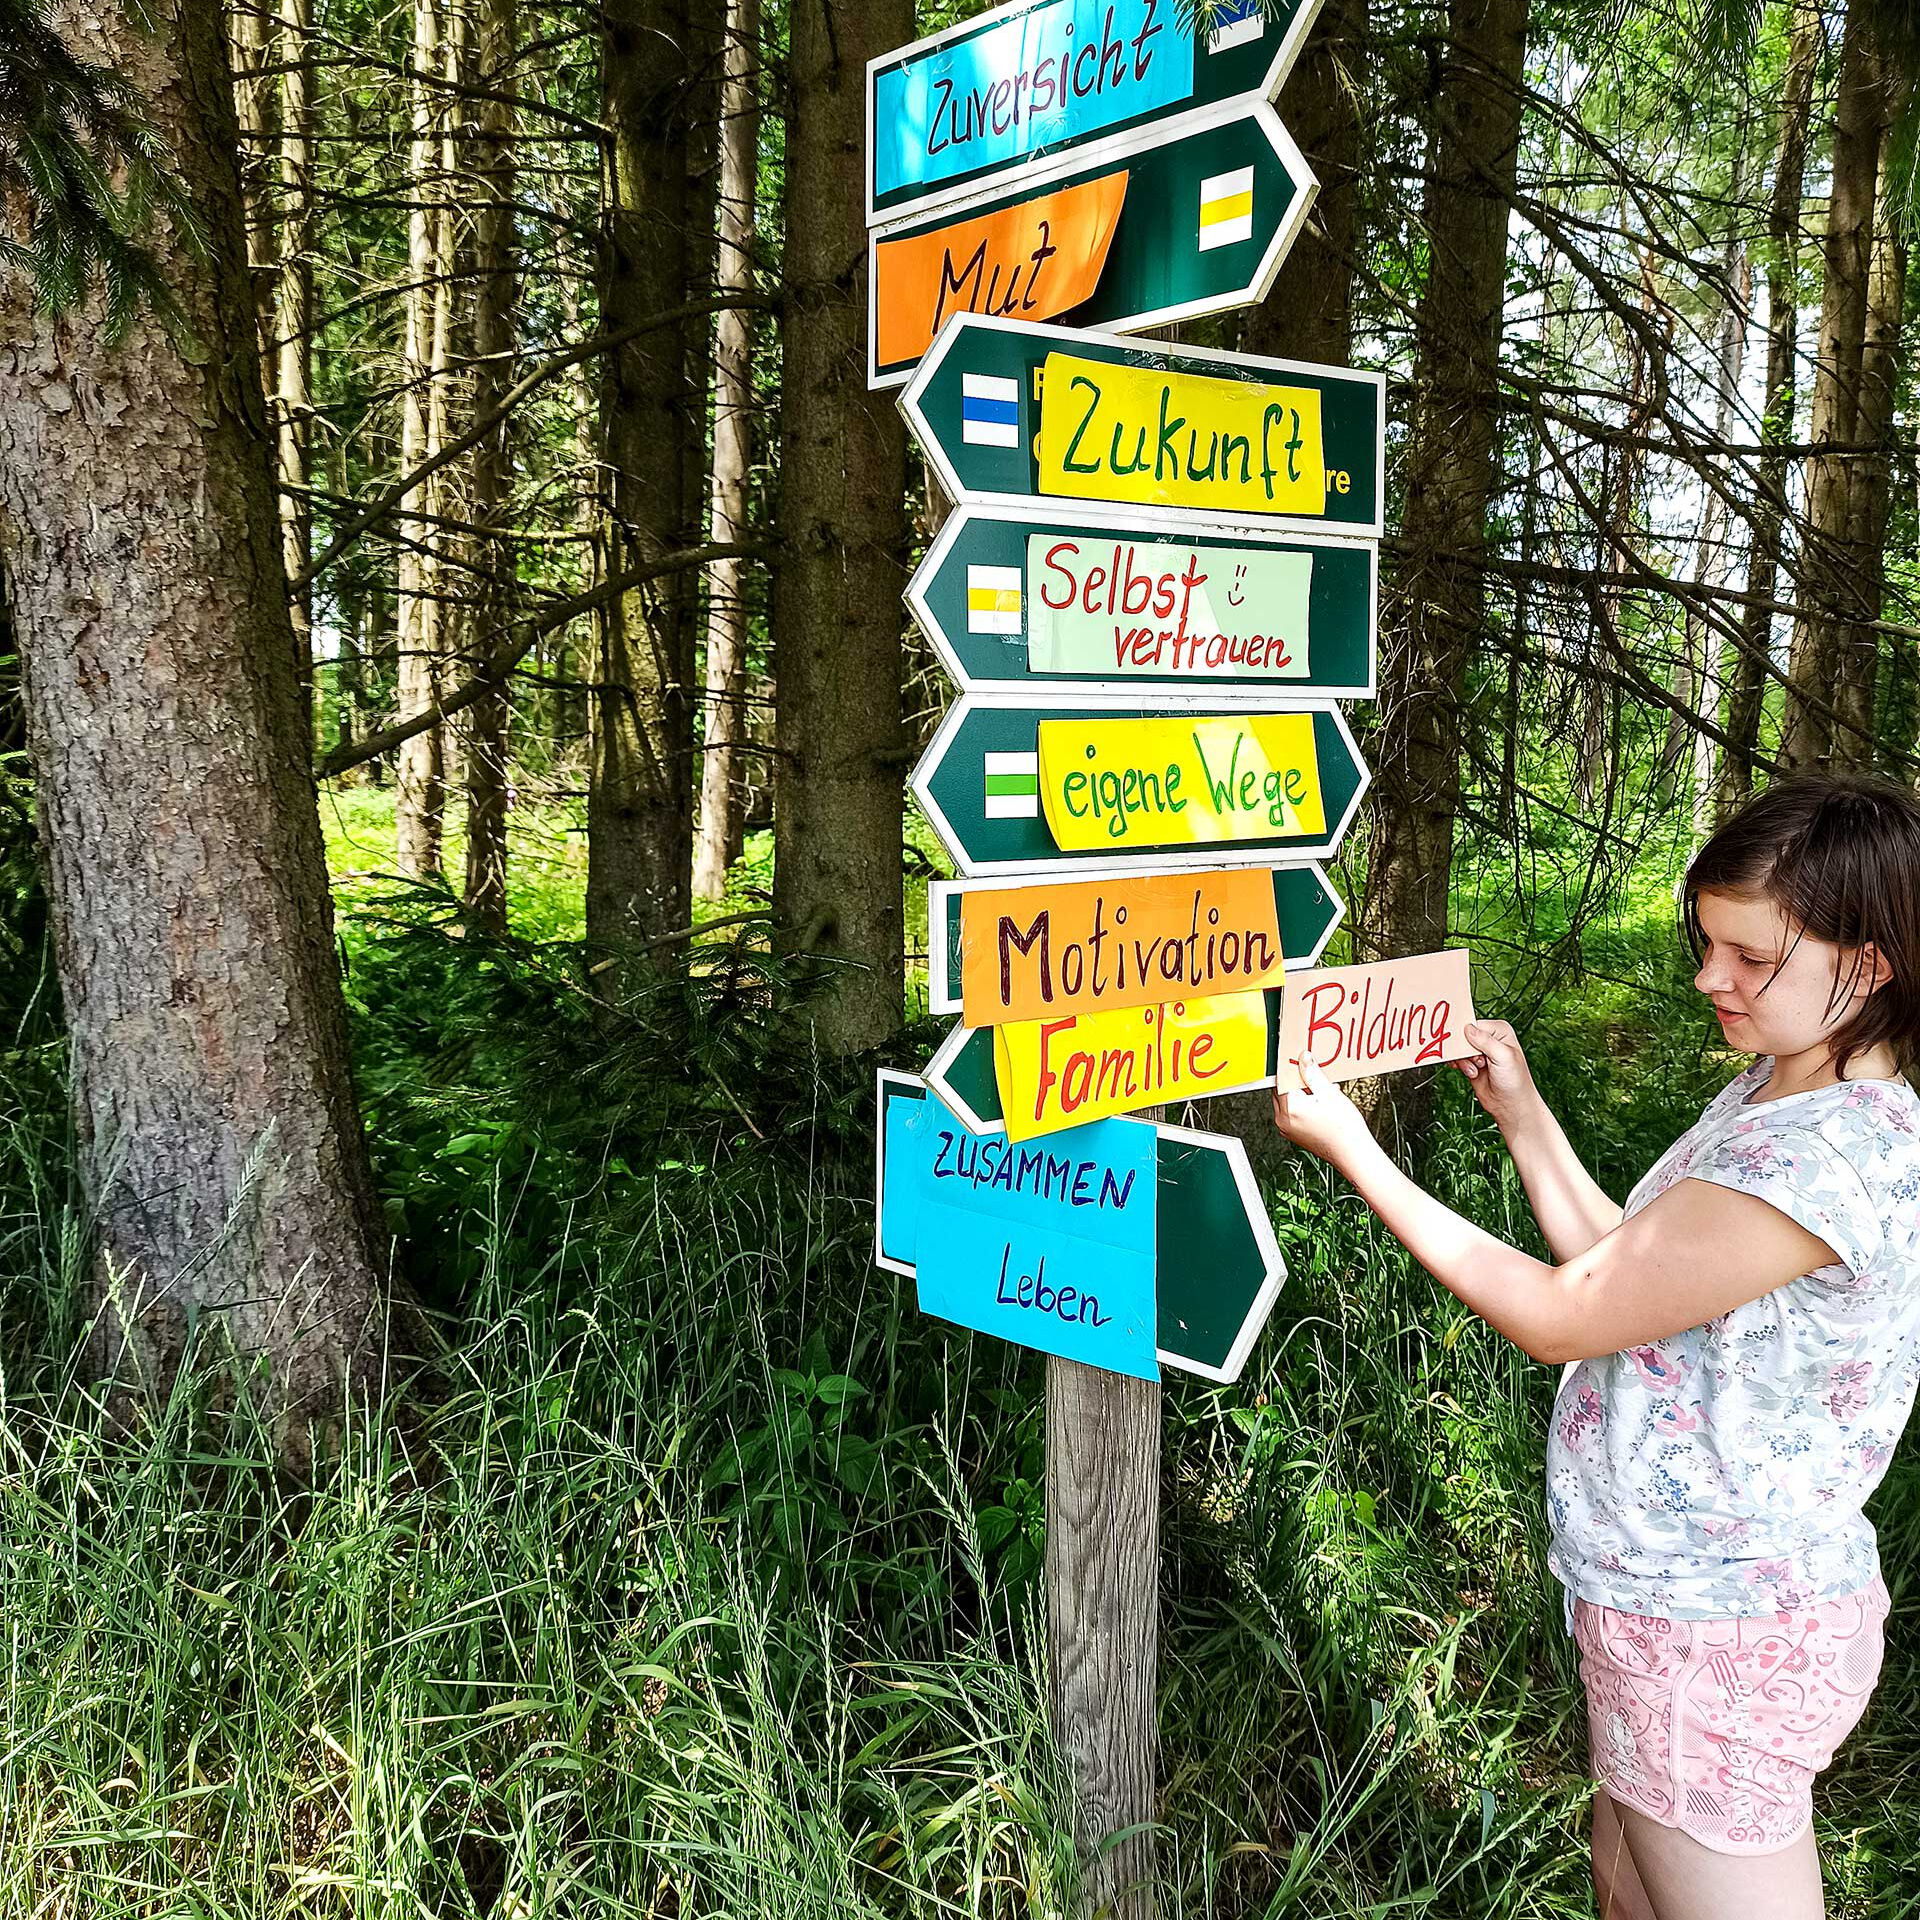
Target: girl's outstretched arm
1697	1251
1571	1207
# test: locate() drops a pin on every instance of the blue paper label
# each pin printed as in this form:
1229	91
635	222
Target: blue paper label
1049	1243
1057	72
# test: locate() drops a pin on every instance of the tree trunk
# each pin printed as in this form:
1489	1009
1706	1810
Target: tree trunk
839	794
1712	561
1747	679
219	1142
292	364
1830	692
1624	470
1308	312
718	841
1871	503
1437	606
255	97
492	175
420	799
640	785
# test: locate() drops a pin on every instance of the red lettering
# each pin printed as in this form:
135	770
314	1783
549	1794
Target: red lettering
1435	1047
1047	1076
1316	1021
1051	558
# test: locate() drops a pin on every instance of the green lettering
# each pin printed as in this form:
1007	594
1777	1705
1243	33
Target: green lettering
1067	461
1168	428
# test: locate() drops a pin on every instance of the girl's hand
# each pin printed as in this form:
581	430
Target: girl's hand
1498	1072
1322	1119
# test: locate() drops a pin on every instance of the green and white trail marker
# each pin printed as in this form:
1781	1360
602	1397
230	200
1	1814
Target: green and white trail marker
1157	434
979	784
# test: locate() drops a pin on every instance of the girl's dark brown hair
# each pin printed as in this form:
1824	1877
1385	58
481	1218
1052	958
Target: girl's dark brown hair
1839	854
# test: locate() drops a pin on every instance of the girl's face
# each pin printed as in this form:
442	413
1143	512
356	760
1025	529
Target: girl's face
1770	981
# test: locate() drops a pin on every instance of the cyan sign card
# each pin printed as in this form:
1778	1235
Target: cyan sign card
1052	74
1049	1244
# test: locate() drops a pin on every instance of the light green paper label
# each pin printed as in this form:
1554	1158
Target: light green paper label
1172	610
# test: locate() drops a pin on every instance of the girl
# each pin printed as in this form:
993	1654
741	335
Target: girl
1740	1342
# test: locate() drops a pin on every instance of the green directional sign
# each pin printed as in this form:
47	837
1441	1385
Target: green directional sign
1029	85
1006	409
943	1187
1303	897
1011	595
1191	222
981	784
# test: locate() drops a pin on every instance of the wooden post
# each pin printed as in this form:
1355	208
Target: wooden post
1103	1620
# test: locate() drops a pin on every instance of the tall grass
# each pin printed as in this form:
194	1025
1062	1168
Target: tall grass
711	1587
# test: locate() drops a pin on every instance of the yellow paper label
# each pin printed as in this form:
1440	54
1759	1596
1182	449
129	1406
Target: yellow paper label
1176	780
1179	439
1080	1067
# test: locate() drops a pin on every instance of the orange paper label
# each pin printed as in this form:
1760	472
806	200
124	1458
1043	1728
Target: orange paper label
1378	1018
1028	262
1032	953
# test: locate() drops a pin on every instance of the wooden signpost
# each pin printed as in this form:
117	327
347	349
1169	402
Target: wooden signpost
1160	578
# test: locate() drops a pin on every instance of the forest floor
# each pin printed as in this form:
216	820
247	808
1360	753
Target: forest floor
711	1588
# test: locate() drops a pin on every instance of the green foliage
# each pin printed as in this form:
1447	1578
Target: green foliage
68	127
712	1587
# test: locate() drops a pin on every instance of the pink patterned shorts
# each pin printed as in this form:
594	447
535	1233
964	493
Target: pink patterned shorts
1718	1727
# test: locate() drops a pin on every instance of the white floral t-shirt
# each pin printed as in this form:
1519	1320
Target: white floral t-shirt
1721	1472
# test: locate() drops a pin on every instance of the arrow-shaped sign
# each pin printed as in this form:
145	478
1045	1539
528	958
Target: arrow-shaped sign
1028	87
1082	786
1118	1243
1010	595
1304	901
1195	220
1007	410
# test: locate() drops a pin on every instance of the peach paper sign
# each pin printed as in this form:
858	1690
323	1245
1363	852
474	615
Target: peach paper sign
1377	1018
